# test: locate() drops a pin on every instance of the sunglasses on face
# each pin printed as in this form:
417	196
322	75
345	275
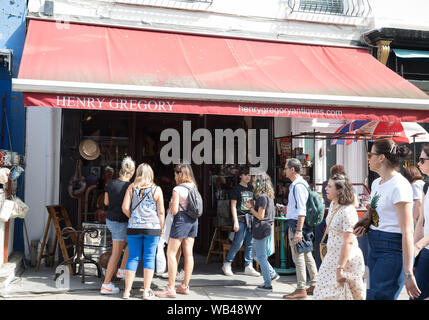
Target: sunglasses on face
422	160
370	154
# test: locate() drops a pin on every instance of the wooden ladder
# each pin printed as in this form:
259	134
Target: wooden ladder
220	236
57	215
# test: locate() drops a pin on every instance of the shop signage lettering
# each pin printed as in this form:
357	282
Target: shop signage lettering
103	103
290	111
224	153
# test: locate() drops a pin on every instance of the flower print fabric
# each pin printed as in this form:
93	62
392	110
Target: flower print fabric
327	287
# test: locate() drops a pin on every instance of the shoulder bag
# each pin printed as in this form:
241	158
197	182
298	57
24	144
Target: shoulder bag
323	247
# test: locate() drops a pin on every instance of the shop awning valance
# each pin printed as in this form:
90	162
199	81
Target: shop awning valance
109	68
411	54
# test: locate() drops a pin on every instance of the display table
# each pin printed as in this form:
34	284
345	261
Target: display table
281	221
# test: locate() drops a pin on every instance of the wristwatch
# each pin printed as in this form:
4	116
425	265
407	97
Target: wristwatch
340	267
409	275
298	230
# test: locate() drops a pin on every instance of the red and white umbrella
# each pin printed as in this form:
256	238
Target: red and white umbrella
400	132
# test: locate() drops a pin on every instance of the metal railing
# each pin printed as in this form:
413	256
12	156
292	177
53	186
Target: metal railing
347	8
164	3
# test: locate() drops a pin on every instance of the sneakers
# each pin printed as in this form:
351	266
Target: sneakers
148	295
275	277
226	268
109	289
249	271
120	274
265	288
180	276
182	290
166	293
126	295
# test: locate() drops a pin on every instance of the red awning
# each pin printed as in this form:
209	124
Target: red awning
107	68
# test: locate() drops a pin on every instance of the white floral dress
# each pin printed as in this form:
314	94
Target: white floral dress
327	287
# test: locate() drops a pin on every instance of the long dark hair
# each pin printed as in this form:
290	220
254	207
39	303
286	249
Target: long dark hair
425	149
412	174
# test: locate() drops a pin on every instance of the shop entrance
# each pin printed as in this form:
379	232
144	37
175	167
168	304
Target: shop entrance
119	134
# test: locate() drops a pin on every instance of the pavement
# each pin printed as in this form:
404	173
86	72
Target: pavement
207	283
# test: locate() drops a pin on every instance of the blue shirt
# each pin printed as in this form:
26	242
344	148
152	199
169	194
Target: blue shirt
297	208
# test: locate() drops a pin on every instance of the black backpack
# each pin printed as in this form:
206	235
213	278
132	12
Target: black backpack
195	205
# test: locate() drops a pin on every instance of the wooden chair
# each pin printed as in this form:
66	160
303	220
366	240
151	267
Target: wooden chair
89	203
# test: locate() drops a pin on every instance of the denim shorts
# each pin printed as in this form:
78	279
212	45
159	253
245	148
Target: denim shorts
117	229
183	226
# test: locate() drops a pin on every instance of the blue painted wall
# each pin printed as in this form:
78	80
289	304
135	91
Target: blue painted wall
12	36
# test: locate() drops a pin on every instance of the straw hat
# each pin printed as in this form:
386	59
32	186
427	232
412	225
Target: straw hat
89	149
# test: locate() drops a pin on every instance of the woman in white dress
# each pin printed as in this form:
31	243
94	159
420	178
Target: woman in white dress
342	270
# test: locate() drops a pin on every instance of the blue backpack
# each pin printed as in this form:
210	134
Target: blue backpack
315	207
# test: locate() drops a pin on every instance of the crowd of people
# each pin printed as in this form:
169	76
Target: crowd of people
394	224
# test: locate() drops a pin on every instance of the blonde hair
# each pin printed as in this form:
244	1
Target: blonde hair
144	176
262	185
128	167
185	174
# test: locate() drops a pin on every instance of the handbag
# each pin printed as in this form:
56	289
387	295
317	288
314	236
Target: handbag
323	247
20	209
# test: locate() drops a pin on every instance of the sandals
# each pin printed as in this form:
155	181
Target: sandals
182	289
166	293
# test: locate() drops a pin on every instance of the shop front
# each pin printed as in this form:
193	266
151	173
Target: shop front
126	88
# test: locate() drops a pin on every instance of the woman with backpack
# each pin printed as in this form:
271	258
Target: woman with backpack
183	232
144	205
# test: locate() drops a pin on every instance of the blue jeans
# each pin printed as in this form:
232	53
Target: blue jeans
320	230
141	246
260	253
422	274
386	277
243	235
364	246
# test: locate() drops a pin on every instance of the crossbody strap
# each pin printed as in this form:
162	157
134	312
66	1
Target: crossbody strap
144	197
186	187
296	205
329	224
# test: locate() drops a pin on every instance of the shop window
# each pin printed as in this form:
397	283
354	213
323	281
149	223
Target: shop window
322	6
111	132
